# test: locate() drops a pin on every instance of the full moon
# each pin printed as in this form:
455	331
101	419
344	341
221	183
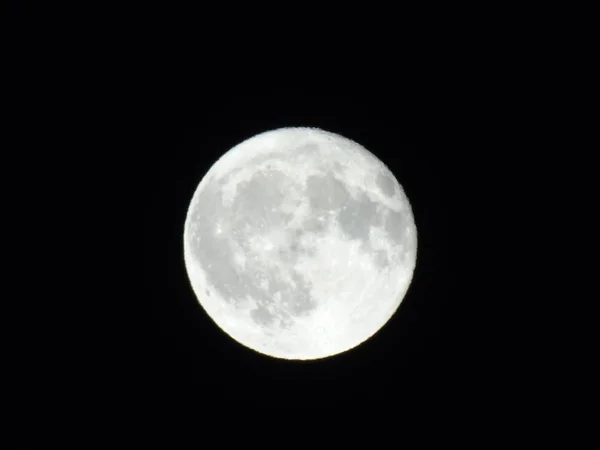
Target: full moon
299	243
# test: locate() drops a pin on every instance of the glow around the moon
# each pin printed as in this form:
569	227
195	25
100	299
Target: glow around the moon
299	243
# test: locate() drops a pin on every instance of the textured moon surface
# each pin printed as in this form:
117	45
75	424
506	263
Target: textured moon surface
299	243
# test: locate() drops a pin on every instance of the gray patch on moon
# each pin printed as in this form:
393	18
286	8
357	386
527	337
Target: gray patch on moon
325	193
386	183
310	148
380	258
396	226
337	168
257	205
357	217
262	316
295	301
292	249
259	200
379	218
316	224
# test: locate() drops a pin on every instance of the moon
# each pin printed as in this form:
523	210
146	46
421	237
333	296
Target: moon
299	243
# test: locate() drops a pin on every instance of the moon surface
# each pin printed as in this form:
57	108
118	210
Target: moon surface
299	243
